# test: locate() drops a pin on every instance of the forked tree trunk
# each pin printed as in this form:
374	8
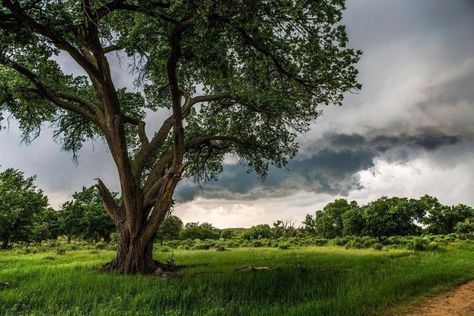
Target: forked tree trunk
134	256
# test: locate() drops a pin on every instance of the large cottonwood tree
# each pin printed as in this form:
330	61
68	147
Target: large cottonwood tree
239	77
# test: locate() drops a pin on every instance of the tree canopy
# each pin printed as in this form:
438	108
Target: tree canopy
21	206
85	216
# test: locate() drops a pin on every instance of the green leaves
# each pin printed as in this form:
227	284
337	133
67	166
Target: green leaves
272	62
21	203
85	216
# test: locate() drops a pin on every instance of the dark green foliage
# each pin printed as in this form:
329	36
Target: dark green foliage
377	246
284	228
393	216
442	219
227	233
85	217
309	224
22	206
47	226
170	228
258	232
329	221
199	231
240	77
466	227
321	241
353	222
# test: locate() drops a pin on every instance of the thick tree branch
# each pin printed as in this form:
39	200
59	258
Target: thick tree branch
153	183
149	149
54	97
178	131
76	98
113	209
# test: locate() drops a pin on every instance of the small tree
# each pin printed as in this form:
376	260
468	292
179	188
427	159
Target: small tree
393	216
309	224
443	219
284	228
21	205
240	77
170	229
47	225
353	222
258	231
85	216
194	230
329	221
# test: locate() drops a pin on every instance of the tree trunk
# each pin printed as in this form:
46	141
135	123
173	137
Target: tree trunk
133	256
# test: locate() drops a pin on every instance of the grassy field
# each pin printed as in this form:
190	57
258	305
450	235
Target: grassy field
309	281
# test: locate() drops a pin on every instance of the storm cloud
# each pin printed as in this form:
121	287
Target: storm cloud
333	168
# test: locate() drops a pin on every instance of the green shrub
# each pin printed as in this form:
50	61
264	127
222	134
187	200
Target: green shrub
377	246
60	251
257	243
433	246
202	246
320	241
284	245
419	244
355	244
100	246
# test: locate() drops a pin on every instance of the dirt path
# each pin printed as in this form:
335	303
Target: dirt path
457	302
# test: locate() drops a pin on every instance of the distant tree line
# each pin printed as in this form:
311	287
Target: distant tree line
25	216
390	217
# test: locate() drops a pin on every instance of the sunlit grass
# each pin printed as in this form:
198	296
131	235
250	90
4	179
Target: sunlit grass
334	281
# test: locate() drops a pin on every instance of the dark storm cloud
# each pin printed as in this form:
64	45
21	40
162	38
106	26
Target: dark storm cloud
327	172
331	169
428	140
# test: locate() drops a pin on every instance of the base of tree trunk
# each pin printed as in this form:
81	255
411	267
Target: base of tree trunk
136	266
136	258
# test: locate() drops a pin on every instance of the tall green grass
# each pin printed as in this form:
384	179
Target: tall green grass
309	281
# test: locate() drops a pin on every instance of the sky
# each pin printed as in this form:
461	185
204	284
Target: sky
408	132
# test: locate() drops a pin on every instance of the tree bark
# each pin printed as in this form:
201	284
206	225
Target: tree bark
134	256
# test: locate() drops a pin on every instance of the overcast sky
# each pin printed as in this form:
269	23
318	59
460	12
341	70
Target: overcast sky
409	132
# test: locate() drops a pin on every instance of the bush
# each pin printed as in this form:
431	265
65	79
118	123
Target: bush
100	246
257	243
202	246
433	246
60	251
321	241
355	244
377	246
419	244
